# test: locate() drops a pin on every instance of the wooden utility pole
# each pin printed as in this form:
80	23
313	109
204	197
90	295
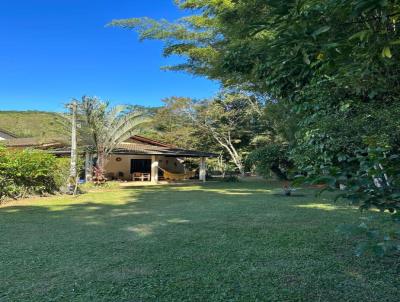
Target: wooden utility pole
73	170
202	171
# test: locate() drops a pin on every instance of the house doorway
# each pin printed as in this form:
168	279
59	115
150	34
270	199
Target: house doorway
141	168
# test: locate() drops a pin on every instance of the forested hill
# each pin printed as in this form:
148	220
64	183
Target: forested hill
32	123
46	124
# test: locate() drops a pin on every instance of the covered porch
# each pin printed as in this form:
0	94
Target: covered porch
153	168
141	160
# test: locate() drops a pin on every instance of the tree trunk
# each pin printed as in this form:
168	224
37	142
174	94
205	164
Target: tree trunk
99	176
73	175
278	172
100	161
226	143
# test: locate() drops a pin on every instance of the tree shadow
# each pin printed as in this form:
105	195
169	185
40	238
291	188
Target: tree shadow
164	243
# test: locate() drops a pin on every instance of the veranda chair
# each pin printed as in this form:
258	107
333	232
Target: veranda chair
137	176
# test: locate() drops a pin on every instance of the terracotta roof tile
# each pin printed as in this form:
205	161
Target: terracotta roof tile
33	142
136	146
140	148
8	133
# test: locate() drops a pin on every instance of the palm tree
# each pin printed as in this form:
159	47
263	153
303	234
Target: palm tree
104	127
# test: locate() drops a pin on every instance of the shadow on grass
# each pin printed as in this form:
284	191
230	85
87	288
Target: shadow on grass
180	242
292	195
144	210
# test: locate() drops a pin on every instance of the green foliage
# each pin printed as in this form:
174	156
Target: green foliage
28	172
271	158
104	127
172	125
225	124
8	188
377	239
282	47
369	179
62	175
229	120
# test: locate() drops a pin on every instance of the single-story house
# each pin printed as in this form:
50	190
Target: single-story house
136	159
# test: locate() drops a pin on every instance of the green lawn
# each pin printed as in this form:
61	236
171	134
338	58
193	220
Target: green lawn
217	242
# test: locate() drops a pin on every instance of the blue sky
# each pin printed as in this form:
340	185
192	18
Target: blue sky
54	50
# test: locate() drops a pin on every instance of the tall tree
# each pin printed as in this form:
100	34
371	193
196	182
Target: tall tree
105	127
283	46
230	120
173	126
331	63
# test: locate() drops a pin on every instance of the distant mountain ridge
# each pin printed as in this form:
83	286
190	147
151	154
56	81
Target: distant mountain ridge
40	124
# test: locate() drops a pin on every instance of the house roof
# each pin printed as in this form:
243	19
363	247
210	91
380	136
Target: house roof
139	145
8	133
147	149
32	142
148	141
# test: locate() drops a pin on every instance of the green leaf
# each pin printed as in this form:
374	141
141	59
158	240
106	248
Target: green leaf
386	53
328	180
361	35
321	30
306	59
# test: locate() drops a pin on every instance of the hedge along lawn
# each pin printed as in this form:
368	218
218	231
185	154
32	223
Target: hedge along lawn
217	242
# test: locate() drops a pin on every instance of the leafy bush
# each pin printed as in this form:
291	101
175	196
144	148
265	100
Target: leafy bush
24	172
63	168
370	180
272	157
373	238
8	188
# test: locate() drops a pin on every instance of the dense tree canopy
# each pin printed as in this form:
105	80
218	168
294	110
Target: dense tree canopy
285	45
328	68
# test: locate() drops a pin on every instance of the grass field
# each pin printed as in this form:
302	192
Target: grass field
217	242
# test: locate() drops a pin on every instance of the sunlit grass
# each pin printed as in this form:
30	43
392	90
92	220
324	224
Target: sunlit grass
212	242
321	206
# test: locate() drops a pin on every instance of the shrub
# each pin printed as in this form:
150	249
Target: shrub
8	188
272	157
374	236
370	179
63	169
24	172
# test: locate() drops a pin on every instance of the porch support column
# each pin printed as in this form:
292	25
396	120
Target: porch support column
154	169
88	166
202	171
